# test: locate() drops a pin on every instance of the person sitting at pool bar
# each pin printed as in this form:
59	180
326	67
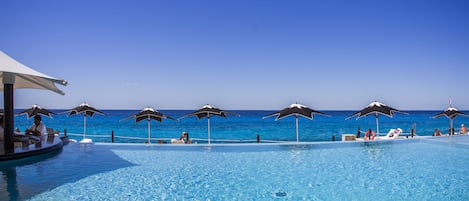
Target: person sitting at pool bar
38	128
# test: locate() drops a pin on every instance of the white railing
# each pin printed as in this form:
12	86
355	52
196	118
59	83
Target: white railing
113	138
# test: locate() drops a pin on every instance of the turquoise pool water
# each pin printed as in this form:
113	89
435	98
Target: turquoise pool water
435	168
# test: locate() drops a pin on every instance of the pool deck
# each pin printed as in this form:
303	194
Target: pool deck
46	145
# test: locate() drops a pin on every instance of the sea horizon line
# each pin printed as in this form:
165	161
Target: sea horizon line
186	109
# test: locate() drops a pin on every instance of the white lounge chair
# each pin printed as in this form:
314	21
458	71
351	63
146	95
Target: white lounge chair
394	133
176	141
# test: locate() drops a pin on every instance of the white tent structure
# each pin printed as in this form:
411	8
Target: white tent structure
24	77
15	75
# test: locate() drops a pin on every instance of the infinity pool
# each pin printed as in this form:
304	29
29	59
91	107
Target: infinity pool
435	168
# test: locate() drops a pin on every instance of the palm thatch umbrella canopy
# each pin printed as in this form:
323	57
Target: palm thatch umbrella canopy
36	110
149	113
208	111
376	108
15	75
296	110
451	113
86	110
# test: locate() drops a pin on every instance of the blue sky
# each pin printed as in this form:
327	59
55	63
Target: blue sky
255	54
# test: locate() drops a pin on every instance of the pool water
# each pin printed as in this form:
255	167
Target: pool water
435	168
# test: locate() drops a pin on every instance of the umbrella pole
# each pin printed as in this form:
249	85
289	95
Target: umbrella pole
8	121
84	126
377	126
208	127
297	139
149	131
451	127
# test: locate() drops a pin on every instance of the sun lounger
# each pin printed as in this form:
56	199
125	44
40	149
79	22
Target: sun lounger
176	141
394	133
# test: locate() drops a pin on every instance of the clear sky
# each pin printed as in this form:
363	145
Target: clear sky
242	54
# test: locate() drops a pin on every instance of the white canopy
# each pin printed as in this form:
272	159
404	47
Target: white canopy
13	72
13	75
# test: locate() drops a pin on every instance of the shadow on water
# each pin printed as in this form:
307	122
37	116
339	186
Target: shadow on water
9	176
24	178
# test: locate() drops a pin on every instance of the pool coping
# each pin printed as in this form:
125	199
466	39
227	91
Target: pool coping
266	143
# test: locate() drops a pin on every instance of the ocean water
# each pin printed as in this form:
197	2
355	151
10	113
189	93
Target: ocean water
242	128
